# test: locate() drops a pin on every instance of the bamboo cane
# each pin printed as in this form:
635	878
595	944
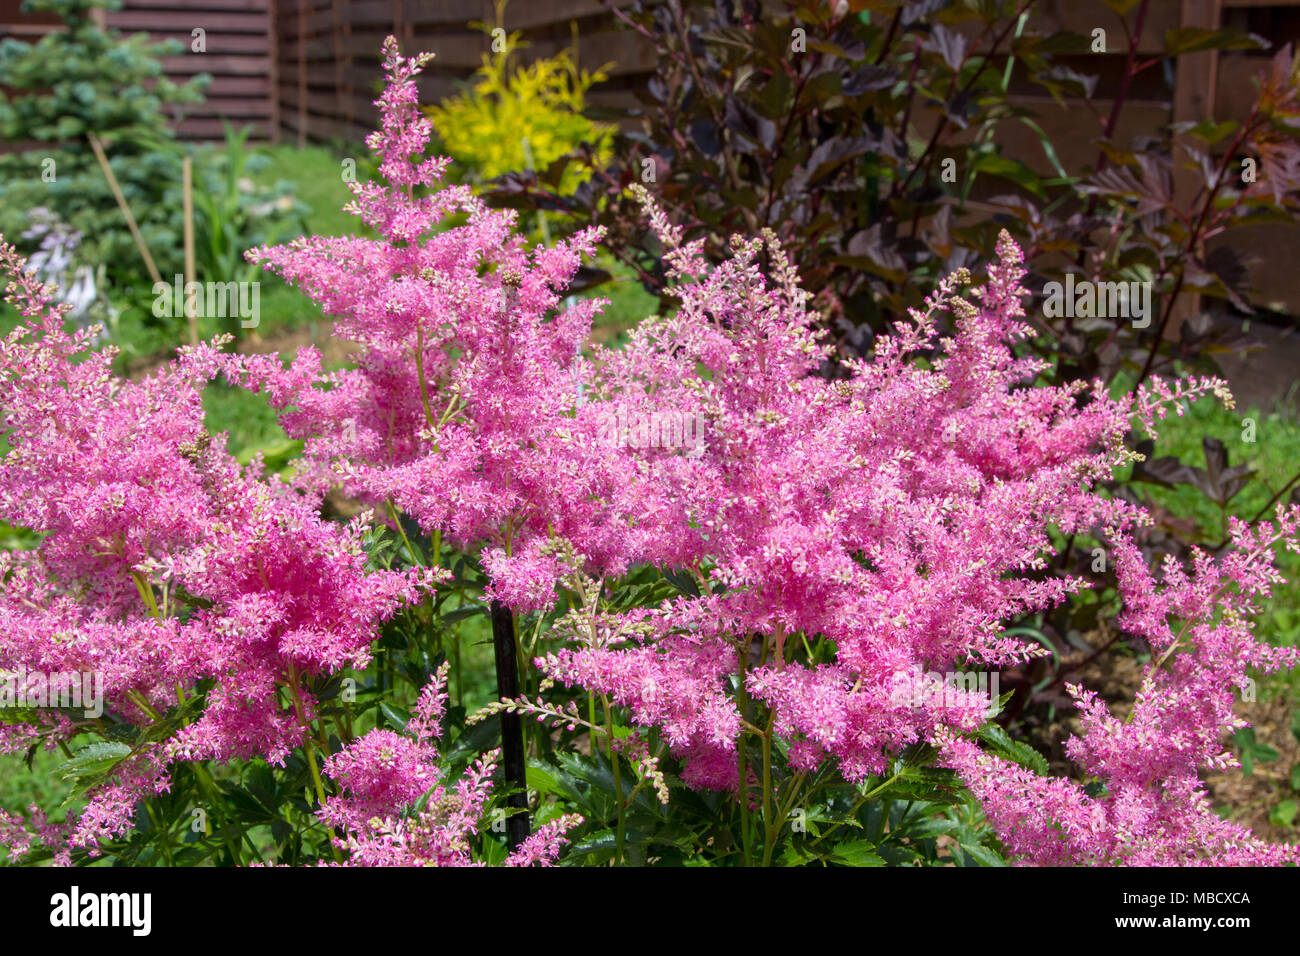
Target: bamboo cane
126	210
187	191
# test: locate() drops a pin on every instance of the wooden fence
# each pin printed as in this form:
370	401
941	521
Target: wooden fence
237	44
328	52
309	70
328	66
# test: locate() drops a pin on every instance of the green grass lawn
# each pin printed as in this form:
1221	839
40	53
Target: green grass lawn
317	172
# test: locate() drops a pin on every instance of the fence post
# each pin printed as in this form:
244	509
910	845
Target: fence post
273	35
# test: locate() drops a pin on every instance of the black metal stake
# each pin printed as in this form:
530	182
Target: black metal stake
512	727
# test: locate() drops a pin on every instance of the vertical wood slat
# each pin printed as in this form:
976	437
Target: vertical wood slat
302	73
340	100
349	100
239	55
273	38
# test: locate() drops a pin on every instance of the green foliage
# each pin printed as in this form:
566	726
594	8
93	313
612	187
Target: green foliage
522	119
61	89
251	425
1251	750
234	213
87	81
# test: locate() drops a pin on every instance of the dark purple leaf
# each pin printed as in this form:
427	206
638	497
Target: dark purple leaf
867	78
705	137
949	44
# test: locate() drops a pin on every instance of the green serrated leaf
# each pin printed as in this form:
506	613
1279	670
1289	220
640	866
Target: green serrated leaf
856	853
93	759
983	855
543	779
1014	750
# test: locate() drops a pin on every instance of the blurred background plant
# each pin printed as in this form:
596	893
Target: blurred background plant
236	208
57	92
57	202
867	141
525	117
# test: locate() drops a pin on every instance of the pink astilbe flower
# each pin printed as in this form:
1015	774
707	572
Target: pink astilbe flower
383	774
895	516
108	812
463	410
20	835
162	563
1154	809
899	512
380	771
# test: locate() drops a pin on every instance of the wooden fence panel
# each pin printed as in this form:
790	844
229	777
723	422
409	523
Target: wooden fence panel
310	68
237	51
